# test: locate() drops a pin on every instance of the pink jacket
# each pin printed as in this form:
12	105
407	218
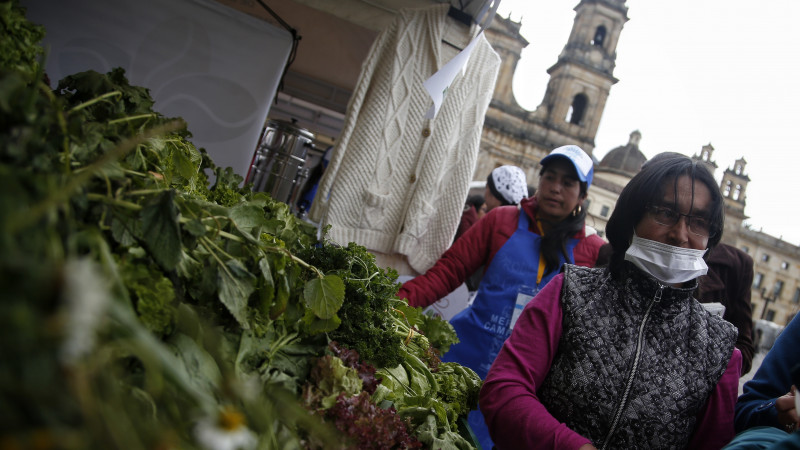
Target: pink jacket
516	418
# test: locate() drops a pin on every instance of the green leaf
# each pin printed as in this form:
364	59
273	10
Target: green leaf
195	364
439	332
315	325
235	286
246	216
195	228
160	230
120	232
324	295
266	286
282	292
185	166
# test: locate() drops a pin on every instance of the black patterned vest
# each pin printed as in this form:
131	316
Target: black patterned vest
636	361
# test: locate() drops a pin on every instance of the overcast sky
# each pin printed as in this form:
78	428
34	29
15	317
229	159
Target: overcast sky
724	72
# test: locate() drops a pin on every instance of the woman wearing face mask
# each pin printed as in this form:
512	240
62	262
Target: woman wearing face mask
522	248
624	357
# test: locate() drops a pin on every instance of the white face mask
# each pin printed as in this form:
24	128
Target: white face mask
668	264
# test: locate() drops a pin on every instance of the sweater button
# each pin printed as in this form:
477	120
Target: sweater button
426	132
412	178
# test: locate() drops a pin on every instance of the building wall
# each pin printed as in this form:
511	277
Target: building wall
773	261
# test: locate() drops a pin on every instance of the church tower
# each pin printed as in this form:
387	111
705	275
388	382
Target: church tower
734	187
574	100
582	77
706	153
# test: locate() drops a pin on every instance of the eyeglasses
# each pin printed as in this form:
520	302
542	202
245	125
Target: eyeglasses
669	217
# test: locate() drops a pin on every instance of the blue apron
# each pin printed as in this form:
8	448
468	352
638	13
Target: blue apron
484	326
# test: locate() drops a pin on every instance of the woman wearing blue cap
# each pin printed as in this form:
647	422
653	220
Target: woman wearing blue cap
522	248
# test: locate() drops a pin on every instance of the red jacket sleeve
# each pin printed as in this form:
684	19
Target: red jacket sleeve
475	248
515	416
587	250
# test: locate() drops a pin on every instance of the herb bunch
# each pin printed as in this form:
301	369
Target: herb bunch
144	307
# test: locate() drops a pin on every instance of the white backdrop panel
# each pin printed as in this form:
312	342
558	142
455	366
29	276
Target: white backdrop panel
214	66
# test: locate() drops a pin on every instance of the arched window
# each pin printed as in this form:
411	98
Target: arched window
738	192
738	169
577	109
599	36
727	191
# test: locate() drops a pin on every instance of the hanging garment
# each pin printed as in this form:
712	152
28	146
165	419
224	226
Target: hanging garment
397	181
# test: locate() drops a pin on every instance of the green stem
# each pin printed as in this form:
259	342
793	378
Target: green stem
204	241
211	243
91	102
114	201
131	118
145	192
297	260
133	172
266	248
62	195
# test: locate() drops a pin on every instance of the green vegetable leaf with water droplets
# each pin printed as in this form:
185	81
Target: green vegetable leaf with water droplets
324	295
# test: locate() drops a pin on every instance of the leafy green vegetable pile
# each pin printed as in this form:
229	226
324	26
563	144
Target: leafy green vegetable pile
143	308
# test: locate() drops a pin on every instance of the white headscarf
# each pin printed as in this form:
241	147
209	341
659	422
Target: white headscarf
511	183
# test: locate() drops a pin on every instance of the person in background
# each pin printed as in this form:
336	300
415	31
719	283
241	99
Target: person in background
503	188
769	398
505	185
473	211
522	248
624	356
470	215
310	187
728	281
730	275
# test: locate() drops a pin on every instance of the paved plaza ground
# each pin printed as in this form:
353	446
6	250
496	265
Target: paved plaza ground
757	358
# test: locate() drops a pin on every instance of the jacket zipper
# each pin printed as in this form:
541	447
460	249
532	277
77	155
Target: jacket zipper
629	384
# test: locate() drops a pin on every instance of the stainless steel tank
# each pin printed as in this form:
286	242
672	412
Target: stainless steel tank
278	163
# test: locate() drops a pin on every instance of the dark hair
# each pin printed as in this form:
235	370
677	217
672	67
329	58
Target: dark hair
495	192
554	243
646	188
475	201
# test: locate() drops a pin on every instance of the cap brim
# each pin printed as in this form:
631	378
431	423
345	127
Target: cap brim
550	157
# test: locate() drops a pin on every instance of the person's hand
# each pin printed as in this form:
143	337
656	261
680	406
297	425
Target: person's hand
787	413
587	447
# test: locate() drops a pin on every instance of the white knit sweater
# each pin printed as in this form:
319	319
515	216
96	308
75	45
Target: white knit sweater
397	182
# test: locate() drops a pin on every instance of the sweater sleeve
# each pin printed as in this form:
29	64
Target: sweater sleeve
714	428
474	248
773	379
513	413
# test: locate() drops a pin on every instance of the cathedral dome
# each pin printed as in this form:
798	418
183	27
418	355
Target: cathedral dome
626	159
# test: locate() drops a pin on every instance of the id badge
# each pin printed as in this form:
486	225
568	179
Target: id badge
524	295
